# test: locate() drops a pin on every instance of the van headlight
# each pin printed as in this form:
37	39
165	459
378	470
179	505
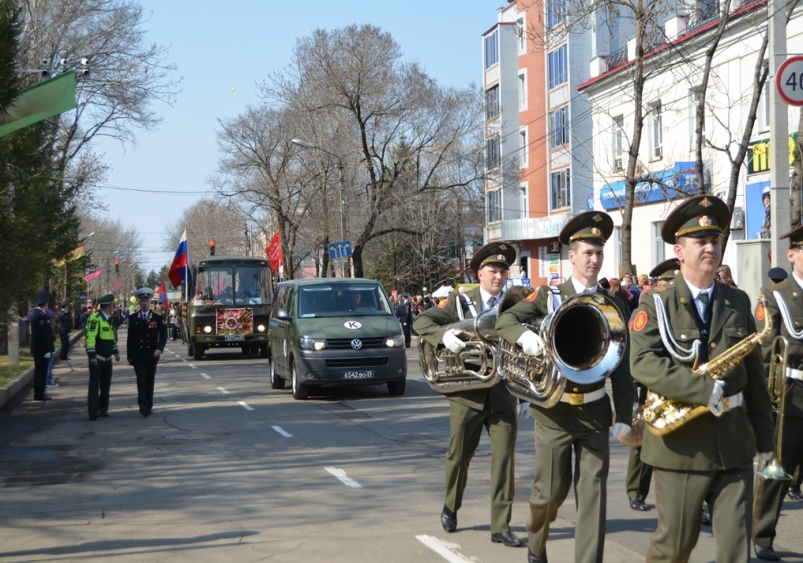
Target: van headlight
261	328
208	329
307	343
395	341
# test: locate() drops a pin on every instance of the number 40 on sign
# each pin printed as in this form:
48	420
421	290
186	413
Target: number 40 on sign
789	81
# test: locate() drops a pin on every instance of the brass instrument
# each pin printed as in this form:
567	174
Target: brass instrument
592	319
662	415
473	367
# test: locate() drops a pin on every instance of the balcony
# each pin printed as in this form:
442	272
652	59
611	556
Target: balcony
529	229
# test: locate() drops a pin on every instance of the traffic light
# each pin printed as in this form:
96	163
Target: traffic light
212	247
116	266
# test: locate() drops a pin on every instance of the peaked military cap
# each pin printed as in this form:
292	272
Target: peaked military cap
106	299
698	216
666	270
494	253
144	293
41	298
592	226
777	274
795	236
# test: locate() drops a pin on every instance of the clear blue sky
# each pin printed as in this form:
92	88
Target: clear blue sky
218	46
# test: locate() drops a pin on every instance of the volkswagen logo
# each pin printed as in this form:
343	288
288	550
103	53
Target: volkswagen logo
356	343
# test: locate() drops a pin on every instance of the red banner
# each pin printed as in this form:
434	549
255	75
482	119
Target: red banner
274	252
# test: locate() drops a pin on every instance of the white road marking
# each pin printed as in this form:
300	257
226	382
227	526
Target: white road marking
205	376
282	432
223	390
245	405
443	549
345	479
183	360
193	367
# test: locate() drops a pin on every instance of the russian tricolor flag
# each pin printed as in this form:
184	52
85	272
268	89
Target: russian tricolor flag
181	268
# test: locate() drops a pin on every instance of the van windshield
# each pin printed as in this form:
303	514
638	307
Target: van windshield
336	300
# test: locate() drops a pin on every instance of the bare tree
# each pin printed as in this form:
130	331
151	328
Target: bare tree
111	240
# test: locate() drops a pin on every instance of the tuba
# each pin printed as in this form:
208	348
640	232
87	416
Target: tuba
592	319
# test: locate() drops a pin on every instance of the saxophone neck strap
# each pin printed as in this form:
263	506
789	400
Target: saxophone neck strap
554	301
675	350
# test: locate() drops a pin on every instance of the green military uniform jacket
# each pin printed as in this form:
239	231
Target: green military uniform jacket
707	443
433	323
100	338
793	297
595	415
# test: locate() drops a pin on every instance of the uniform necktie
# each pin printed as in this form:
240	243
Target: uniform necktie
492	302
704	299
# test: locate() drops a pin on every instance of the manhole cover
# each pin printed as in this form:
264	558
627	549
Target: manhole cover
190	436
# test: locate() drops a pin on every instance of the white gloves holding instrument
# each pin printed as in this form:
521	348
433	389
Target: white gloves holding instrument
620	429
524	410
530	343
715	401
452	341
765	456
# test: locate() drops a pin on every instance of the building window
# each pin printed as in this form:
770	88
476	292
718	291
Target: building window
491	50
559	127
525	201
523	147
493	153
494	205
555	12
618	142
694	98
523	90
492	102
658	247
657	132
521	32
558	67
560	187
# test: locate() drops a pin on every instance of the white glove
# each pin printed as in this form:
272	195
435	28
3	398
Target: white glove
715	401
765	456
524	411
47	355
452	342
620	429
531	343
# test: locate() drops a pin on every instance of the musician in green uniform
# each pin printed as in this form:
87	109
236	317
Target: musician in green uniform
639	474
580	422
101	345
675	328
785	307
493	408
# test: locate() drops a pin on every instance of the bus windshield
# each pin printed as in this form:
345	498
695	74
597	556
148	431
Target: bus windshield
240	285
342	299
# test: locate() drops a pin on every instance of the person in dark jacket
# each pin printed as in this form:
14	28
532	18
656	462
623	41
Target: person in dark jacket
65	327
147	338
42	348
404	312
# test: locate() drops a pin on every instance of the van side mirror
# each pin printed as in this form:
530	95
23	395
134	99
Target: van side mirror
283	314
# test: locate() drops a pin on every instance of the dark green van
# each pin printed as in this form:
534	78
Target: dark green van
328	332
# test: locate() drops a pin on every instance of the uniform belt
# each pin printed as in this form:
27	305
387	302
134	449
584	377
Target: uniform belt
733	402
102	359
576	399
794	374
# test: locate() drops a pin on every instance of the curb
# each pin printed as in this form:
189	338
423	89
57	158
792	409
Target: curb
16	386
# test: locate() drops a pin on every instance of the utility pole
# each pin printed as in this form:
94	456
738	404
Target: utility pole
779	132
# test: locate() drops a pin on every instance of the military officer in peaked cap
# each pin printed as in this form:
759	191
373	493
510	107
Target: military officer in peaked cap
147	338
42	346
101	345
708	458
472	410
666	271
785	306
581	421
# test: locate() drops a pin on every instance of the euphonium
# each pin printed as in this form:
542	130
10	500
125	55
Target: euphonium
662	415
584	341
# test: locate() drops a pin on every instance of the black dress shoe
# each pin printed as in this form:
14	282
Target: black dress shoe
94	416
42	398
638	505
105	415
794	493
509	539
706	519
448	519
766	553
535	559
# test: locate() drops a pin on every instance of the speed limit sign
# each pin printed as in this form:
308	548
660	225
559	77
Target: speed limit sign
789	81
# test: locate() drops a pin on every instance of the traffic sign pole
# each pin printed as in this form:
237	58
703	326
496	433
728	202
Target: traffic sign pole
779	131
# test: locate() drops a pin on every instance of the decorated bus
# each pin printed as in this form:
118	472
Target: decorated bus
228	305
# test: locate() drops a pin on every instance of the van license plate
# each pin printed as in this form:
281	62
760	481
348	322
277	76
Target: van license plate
235	337
358	374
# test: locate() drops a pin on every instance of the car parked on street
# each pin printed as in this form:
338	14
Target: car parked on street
328	332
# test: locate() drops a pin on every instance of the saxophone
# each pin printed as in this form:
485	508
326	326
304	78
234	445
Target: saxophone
662	415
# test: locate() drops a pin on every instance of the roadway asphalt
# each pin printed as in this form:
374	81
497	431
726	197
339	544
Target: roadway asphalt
227	469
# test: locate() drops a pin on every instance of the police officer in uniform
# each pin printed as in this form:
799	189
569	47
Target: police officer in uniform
709	457
42	347
785	306
581	421
147	337
494	408
639	474
101	345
